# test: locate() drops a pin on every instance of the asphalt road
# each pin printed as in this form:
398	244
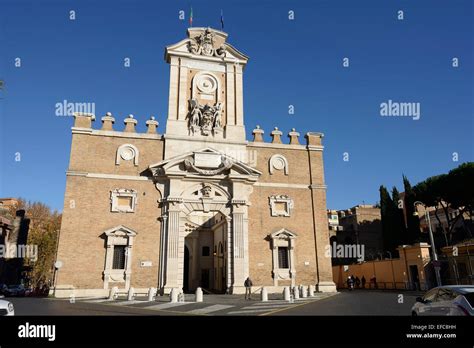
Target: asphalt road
357	302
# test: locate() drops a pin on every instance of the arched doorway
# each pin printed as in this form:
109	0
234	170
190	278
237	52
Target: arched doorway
186	270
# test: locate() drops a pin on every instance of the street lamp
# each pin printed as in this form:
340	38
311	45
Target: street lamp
433	248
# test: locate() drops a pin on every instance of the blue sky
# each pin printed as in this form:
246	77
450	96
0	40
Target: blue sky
292	62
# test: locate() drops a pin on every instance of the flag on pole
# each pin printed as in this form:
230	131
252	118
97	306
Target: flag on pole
222	19
191	18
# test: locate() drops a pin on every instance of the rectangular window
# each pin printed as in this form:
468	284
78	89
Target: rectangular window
119	257
124	202
205	251
283	257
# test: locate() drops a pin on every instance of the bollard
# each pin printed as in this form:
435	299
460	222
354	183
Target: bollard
198	295
286	293
113	293
304	293
311	291
174	295
296	293
130	294
151	294
264	294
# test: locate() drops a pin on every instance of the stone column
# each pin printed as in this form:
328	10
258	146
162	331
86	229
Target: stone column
229	262
183	85
172	264
291	250
108	263
239	96
128	266
240	246
173	96
230	94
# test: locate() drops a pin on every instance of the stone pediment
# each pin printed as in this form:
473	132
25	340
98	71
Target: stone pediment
206	44
207	162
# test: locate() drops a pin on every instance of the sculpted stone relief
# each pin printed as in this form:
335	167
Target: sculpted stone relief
204	45
205	119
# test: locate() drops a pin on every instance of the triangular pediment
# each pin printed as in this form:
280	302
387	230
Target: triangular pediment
283	234
205	162
220	49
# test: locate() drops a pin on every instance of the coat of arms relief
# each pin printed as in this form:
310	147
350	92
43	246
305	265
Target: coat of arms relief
204	45
205	119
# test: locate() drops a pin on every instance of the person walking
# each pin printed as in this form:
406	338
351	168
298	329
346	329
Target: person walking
248	288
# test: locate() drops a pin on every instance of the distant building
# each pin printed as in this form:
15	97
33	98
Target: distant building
460	259
360	225
13	232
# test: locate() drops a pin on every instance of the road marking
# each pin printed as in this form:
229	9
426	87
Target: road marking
210	309
265	304
126	303
268	307
249	311
99	301
167	305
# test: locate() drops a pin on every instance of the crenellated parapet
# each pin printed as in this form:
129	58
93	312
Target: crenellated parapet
83	122
313	139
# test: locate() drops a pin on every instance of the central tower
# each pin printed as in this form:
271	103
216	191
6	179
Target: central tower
205	93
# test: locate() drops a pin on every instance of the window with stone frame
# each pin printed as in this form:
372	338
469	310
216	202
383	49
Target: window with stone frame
283	261
118	256
280	205
123	200
118	261
283	245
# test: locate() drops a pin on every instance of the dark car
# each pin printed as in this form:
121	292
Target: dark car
14	290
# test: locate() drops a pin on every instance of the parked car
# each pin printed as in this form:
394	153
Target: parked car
6	307
446	300
14	290
3	287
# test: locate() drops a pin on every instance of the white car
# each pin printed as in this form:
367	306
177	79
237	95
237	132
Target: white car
6	307
446	300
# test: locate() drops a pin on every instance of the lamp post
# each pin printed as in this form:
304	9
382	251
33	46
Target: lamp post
433	248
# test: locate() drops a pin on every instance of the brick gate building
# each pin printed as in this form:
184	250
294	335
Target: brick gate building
198	205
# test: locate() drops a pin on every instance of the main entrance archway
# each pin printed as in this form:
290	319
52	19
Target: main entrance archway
205	257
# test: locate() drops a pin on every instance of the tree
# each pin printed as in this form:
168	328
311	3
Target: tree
400	230
412	222
387	210
43	232
452	191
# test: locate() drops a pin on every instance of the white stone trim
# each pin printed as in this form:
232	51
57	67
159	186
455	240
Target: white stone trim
276	145
119	235
284	185
121	152
115	194
118	134
108	176
289	205
286	239
272	163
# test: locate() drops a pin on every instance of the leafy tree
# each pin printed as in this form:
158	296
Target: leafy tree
412	222
387	210
43	232
450	192
399	227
